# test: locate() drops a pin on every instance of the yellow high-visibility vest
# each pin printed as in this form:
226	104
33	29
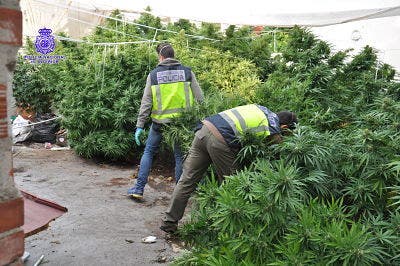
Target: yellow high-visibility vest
247	118
170	100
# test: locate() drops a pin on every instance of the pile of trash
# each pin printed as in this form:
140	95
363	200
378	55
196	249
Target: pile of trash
44	128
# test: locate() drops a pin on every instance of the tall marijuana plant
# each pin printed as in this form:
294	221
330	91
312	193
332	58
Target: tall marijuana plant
327	195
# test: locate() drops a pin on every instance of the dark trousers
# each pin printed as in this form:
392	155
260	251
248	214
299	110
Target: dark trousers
205	149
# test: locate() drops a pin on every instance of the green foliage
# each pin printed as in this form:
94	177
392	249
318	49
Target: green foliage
328	195
222	72
210	30
98	89
242	42
29	87
101	106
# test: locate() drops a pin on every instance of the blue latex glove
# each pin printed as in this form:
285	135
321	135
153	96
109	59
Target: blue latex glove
138	132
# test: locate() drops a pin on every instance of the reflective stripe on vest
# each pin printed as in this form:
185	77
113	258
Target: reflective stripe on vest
247	118
170	100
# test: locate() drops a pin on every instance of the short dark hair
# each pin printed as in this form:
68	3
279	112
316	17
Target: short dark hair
287	118
165	50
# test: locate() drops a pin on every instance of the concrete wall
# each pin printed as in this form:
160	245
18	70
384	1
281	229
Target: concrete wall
11	203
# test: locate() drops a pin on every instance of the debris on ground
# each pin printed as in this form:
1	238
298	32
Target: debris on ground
39	261
60	148
161	259
25	256
47	145
149	239
61	138
177	248
20	129
176	244
45	131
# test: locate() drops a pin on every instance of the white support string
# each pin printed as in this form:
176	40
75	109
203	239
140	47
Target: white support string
123	27
148	57
37	123
155	35
136	42
62	38
104	65
202	50
94	60
105	28
156	31
119	43
121	20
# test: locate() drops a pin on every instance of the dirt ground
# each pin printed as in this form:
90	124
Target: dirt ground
102	226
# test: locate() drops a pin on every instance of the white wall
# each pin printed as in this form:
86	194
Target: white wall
382	34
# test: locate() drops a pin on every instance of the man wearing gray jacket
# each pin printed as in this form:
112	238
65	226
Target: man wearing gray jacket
170	89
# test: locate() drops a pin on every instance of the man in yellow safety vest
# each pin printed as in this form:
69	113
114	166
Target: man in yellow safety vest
217	142
170	89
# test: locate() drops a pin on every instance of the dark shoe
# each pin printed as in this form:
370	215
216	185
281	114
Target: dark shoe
169	227
135	193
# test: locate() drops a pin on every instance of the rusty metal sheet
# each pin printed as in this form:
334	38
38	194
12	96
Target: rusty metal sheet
39	213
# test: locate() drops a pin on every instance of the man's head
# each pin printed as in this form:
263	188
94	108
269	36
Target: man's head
165	50
287	120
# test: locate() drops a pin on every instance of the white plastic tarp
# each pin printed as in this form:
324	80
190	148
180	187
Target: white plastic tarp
337	21
259	12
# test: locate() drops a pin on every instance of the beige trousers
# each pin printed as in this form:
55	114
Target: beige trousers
205	149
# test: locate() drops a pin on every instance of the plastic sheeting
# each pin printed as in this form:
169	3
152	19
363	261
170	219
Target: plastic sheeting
20	129
283	13
258	12
337	21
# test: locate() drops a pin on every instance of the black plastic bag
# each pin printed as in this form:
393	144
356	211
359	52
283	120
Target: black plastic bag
46	131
